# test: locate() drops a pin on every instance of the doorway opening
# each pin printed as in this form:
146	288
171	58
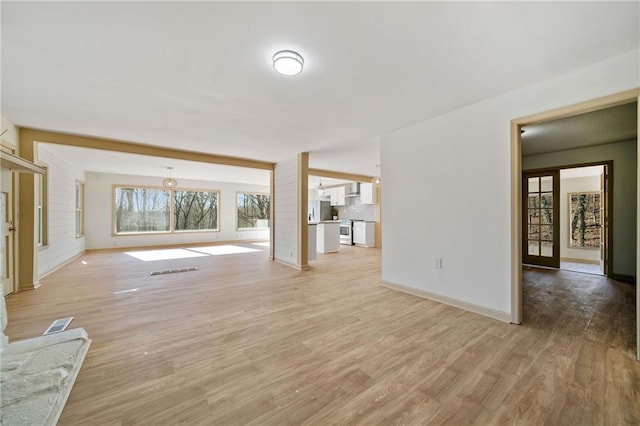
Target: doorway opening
629	259
583	219
566	213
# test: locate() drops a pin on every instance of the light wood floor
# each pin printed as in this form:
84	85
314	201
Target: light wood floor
247	341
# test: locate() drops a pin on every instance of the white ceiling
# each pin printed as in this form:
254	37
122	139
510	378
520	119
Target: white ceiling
100	161
198	75
314	181
594	128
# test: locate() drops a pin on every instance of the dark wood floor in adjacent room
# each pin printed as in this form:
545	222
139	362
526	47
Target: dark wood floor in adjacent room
246	341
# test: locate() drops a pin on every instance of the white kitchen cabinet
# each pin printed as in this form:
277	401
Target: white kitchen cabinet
337	196
359	234
364	233
367	193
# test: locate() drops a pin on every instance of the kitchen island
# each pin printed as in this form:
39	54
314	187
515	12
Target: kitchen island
328	236
311	245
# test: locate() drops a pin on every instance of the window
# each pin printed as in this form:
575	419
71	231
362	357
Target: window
41	210
253	210
146	210
142	210
79	209
195	210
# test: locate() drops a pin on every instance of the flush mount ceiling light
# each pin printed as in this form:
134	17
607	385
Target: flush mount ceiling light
288	62
169	182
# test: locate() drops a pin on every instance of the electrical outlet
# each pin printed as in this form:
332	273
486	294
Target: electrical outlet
438	263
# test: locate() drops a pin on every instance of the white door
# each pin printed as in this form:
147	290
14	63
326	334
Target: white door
6	239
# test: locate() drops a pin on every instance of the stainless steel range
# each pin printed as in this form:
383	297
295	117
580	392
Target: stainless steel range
346	232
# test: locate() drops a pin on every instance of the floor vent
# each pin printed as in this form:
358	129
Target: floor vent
173	271
58	325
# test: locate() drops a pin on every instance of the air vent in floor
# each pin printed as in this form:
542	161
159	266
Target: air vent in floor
58	325
173	271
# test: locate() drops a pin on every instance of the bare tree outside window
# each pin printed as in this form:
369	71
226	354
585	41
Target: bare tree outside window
142	210
195	210
584	220
254	210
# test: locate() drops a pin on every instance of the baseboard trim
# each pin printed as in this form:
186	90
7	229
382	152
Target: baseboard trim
587	261
626	278
291	265
46	274
476	309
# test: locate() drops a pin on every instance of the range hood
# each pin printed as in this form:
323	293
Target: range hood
352	189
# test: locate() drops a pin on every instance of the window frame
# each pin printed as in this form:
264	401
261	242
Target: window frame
42	208
172	226
81	185
172	230
238	229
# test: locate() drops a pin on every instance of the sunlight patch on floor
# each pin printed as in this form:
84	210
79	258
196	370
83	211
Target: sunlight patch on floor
265	244
167	254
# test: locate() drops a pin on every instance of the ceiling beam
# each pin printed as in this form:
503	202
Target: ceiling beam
139	149
340	175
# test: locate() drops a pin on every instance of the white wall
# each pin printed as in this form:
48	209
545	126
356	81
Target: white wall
567	186
11	134
99	208
427	168
62	242
286	216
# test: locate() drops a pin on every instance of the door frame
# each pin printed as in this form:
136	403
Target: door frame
8	150
516	190
10	243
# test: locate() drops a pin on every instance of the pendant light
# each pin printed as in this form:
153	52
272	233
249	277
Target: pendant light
320	188
169	182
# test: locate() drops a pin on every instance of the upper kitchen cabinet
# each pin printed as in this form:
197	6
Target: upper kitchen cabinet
367	193
337	196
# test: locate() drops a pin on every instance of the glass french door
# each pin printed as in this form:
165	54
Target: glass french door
604	220
541	218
